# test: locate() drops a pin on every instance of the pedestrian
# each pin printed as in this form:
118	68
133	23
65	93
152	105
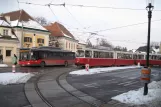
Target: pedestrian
1	59
14	60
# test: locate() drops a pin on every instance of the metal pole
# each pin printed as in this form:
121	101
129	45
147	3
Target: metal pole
148	41
148	44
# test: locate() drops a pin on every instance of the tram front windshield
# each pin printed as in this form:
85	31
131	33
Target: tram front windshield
80	53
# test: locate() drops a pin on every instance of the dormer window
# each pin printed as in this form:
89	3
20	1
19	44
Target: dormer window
5	32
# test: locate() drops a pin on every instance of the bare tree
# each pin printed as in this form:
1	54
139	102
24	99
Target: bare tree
119	48
155	44
89	44
105	43
43	21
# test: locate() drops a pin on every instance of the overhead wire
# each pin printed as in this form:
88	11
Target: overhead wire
94	32
127	26
18	4
88	6
53	13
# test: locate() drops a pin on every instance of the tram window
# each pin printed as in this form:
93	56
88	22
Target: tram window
111	55
140	56
102	54
96	54
129	56
134	56
88	53
80	53
107	54
150	57
119	55
153	57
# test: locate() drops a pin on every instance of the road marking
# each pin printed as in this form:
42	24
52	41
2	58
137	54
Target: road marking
132	78
120	72
91	85
131	83
117	91
125	82
110	80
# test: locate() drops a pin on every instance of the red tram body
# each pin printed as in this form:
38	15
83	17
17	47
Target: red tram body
97	57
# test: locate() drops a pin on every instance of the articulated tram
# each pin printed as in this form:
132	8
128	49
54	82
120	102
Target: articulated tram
99	57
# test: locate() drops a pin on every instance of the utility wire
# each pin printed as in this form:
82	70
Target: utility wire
33	3
94	32
18	4
126	26
122	26
53	13
88	6
73	16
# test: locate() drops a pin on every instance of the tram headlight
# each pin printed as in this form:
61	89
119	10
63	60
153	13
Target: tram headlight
78	60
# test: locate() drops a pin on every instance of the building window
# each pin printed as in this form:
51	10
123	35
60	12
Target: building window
27	39
40	44
39	40
8	52
74	46
5	32
66	44
69	45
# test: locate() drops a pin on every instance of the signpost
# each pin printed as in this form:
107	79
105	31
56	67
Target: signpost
145	78
87	67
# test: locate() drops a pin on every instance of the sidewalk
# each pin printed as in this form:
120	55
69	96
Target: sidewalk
114	103
9	65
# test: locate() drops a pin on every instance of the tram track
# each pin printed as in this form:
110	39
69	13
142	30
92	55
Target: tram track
40	94
43	98
57	80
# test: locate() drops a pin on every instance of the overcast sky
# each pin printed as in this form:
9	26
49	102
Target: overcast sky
85	19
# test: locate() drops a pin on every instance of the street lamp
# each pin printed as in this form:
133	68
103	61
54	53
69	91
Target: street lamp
149	8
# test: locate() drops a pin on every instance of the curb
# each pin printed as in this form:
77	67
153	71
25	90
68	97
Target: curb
75	92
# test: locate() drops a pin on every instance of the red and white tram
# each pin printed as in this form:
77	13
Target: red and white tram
98	57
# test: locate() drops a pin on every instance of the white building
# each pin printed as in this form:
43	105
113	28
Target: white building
60	35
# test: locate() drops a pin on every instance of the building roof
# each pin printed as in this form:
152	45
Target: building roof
144	49
3	22
20	15
57	29
22	18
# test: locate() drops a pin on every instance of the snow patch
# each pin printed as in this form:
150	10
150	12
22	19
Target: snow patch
100	70
28	24
3	65
136	97
4	23
66	35
14	78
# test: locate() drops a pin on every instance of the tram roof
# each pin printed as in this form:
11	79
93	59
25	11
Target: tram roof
103	50
45	48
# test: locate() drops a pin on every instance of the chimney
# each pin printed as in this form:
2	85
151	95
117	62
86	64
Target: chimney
7	18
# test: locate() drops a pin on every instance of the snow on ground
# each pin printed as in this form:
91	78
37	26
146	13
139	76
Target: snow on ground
101	70
14	78
3	65
136	97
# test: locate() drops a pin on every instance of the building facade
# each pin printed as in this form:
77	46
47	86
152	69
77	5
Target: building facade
32	37
61	37
29	32
8	41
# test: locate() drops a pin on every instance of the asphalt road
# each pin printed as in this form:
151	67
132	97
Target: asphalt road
14	95
103	86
